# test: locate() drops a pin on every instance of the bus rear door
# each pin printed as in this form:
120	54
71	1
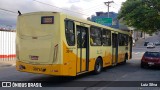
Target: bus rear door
82	49
114	49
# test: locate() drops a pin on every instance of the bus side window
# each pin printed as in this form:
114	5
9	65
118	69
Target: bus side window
70	32
126	40
91	41
123	39
106	37
91	38
95	36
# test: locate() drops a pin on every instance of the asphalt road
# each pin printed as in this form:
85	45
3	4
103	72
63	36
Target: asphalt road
131	71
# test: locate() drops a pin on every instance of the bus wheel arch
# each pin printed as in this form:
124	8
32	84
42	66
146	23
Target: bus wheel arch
98	65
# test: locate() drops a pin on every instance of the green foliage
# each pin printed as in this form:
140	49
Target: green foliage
141	14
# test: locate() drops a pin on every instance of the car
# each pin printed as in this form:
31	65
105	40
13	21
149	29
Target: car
145	43
150	45
150	58
157	43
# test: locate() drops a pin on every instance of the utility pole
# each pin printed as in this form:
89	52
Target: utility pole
107	4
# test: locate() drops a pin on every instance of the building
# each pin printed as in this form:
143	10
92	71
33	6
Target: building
102	18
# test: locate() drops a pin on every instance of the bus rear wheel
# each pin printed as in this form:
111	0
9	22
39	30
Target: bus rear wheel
125	58
98	66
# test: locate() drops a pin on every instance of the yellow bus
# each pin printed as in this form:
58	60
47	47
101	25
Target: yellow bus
57	44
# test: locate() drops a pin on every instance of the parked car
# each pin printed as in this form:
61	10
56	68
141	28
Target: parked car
157	43
150	45
150	58
145	43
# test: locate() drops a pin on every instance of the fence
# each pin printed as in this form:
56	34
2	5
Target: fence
7	45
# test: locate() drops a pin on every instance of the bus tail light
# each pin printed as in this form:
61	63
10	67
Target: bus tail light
55	52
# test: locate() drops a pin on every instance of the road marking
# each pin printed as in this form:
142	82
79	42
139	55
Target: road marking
124	75
138	52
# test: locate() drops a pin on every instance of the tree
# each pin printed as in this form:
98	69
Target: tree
143	15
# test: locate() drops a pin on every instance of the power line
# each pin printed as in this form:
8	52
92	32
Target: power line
93	7
8	10
60	8
117	4
115	7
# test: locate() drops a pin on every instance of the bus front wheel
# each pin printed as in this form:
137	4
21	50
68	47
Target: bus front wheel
98	66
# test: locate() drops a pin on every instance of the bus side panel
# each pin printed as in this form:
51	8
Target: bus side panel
121	53
93	56
69	60
107	56
91	64
104	52
68	54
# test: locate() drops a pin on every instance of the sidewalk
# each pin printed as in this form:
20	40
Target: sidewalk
5	62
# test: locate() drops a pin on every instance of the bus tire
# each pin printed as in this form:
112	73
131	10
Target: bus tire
125	59
98	66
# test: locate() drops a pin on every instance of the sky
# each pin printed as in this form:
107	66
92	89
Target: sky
79	8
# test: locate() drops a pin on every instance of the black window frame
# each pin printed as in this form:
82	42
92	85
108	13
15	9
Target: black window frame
100	38
69	41
123	39
126	39
107	38
120	39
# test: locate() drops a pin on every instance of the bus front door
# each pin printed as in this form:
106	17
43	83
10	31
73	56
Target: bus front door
114	49
82	49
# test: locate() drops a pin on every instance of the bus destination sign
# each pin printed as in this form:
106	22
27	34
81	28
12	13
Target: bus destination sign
47	19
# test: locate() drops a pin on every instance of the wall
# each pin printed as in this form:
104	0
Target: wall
7	44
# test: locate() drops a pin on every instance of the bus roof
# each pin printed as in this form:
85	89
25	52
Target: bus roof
79	20
95	24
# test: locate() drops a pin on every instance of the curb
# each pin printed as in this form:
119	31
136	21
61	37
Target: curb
6	65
